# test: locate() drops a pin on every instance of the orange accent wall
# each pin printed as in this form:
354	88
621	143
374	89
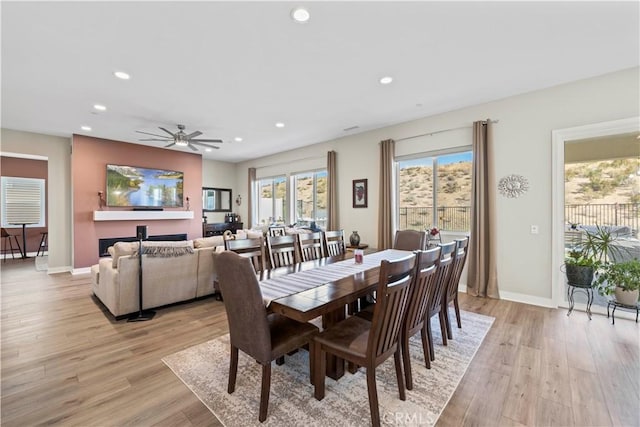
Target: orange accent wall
89	172
28	168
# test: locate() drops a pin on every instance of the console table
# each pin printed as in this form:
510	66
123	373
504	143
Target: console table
218	228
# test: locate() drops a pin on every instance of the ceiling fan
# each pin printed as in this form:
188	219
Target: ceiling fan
181	139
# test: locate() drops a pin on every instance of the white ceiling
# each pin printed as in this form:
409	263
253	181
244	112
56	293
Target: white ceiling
235	68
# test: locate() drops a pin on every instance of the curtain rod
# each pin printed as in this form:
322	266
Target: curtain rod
443	130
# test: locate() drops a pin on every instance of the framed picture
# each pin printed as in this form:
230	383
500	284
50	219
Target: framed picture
360	198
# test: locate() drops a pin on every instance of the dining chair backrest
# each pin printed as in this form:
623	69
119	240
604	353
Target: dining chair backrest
392	296
427	263
334	243
277	230
442	278
310	246
246	312
249	248
462	248
410	240
282	250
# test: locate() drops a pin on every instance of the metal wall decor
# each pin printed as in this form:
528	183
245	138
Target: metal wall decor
513	186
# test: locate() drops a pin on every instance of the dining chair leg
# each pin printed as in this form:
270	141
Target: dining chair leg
320	361
406	361
398	362
457	308
426	344
280	361
443	327
445	312
373	396
312	362
264	392
233	369
430	336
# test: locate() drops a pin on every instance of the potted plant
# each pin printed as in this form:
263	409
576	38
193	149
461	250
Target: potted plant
620	279
582	261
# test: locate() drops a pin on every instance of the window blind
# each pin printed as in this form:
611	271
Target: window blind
22	201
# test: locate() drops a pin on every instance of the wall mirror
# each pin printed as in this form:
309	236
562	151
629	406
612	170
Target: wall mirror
216	199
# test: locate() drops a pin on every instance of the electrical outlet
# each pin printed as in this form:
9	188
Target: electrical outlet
534	229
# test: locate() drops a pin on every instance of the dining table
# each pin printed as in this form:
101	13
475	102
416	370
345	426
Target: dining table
323	288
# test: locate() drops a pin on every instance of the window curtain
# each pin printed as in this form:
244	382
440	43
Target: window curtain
332	192
250	194
482	279
385	206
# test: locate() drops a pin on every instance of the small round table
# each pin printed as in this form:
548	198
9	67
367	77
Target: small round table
615	304
587	289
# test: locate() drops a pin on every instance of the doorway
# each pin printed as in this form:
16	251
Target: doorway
566	143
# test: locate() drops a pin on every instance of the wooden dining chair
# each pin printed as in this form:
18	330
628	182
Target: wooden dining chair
282	250
265	337
277	230
310	246
410	240
248	248
424	278
451	295
366	343
10	238
334	243
435	294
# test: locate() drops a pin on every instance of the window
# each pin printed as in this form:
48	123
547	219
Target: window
23	201
434	191
272	193
310	198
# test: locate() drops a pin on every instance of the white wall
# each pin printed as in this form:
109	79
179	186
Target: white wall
220	175
523	146
58	152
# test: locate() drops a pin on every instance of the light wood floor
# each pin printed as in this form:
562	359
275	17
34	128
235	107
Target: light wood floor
66	362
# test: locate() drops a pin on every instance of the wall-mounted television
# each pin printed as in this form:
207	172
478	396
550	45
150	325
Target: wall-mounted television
132	186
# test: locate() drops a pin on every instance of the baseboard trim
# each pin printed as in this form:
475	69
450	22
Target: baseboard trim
56	270
83	270
522	298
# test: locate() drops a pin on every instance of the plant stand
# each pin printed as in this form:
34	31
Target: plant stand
587	289
615	304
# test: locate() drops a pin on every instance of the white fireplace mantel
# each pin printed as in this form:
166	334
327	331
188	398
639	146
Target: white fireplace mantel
140	215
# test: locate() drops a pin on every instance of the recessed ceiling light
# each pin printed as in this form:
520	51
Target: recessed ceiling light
300	14
279	125
100	107
208	150
386	80
237	139
86	128
122	75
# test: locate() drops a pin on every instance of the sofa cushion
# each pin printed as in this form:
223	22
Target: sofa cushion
208	242
121	249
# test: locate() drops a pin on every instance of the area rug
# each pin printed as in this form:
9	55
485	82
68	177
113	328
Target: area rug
204	369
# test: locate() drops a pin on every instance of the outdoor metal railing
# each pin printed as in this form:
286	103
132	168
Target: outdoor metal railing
458	218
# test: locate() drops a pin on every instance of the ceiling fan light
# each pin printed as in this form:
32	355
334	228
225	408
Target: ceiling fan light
182	143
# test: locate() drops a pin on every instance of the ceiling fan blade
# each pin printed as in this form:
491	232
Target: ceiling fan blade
155	139
173	135
193	134
170	145
207	140
193	148
204	145
152	134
